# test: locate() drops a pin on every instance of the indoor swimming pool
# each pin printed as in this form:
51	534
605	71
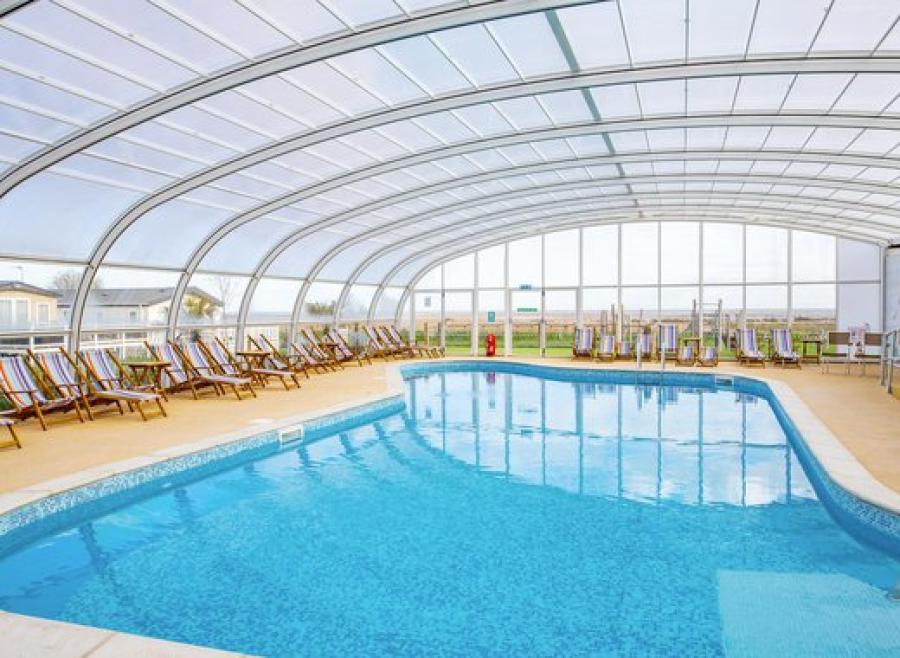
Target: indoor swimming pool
501	512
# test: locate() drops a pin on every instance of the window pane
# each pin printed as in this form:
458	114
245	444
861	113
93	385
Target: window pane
680	252
387	305
212	299
127	298
525	262
723	253
639	305
432	280
601	255
273	301
677	303
43	288
813	256
356	306
491	264
858	261
639	253
597	306
859	305
766	254
813	308
460	272
561	258
320	302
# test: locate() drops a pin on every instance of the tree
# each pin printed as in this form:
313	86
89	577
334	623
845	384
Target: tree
69	280
225	289
198	306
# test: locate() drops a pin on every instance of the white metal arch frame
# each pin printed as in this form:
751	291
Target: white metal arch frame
431	20
292	238
590	220
572	80
799	221
868	188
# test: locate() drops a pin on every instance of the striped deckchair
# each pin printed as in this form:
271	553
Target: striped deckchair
748	351
783	348
709	357
278	359
344	350
686	356
583	343
198	363
23	391
319	351
177	376
229	365
377	347
606	351
64	374
400	348
429	351
645	345
300	348
667	341
107	378
10	425
625	351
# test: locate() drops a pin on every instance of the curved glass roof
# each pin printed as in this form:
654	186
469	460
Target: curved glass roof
359	142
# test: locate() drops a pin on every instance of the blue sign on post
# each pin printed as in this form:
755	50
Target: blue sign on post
492	317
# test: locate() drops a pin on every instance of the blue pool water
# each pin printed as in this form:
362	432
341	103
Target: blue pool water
500	514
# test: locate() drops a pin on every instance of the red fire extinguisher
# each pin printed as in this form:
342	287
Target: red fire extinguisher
490	345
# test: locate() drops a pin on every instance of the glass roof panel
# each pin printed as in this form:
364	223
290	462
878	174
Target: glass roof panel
426	65
662	97
711	95
815	92
357	14
617	101
786	27
301	20
484	119
762	93
369	69
229	23
853	25
595	34
475	52
715	33
529	43
241	250
869	92
332	87
655	29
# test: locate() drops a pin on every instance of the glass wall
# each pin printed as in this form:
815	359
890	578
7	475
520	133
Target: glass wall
708	278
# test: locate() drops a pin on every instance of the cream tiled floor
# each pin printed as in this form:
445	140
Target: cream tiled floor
862	416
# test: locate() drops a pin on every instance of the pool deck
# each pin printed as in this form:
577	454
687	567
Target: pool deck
864	418
855	410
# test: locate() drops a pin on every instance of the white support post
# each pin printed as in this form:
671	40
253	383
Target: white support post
412	318
507	298
579	296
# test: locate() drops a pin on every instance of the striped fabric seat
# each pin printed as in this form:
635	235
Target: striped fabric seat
584	341
782	343
341	348
312	344
607	345
433	352
709	354
221	359
110	381
749	345
175	375
625	349
61	372
645	343
304	352
18	383
668	337
686	354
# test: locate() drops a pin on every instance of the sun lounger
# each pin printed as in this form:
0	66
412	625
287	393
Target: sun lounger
625	351
686	356
344	350
667	342
199	364
377	346
23	390
107	378
606	351
783	349
709	357
278	359
645	345
229	364
318	350
9	424
64	374
748	351
397	338
302	350
583	343
177	376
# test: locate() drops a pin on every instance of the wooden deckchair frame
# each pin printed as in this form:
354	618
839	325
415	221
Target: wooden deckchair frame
191	382
579	352
784	360
120	389
79	388
218	379
318	350
294	362
262	375
604	355
707	362
377	346
400	348
435	352
679	357
311	359
37	409
359	355
746	358
10	425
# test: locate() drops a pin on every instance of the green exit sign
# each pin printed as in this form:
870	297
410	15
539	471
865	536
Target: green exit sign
526	309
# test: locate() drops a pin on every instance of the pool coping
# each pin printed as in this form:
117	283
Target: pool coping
51	638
